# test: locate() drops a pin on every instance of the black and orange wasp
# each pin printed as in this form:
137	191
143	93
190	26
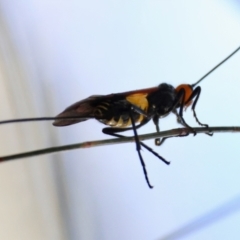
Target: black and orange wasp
132	110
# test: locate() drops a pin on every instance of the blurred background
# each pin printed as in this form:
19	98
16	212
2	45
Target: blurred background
54	53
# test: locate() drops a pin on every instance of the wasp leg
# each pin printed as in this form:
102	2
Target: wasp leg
112	131
179	121
138	147
158	141
154	153
180	100
196	93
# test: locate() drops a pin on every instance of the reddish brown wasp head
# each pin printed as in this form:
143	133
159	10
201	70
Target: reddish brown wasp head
188	92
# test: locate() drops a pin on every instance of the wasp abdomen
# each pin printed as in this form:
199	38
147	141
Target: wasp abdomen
116	114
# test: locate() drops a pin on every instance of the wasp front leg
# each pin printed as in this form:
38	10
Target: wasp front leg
195	94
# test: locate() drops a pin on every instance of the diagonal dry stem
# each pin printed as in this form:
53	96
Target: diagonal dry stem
170	133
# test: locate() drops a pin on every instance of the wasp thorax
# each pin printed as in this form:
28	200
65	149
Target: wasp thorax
162	100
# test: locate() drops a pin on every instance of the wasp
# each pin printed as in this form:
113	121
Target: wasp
131	110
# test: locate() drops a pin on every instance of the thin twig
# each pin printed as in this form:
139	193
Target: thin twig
170	133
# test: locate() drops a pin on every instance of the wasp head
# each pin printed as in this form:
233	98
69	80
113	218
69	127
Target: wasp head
187	91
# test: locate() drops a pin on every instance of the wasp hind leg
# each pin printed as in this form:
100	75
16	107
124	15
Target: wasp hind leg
111	131
114	131
138	147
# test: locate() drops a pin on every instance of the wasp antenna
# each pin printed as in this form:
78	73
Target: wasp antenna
223	61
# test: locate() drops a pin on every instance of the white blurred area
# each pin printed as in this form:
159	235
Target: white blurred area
54	53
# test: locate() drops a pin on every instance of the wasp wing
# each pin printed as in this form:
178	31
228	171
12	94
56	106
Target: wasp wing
84	109
79	111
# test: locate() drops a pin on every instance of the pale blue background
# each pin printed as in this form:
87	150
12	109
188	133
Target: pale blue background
73	49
